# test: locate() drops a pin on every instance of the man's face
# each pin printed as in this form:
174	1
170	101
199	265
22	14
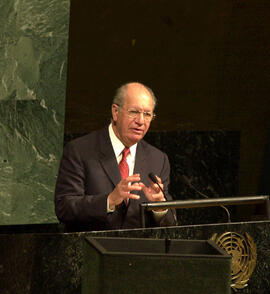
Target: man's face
131	130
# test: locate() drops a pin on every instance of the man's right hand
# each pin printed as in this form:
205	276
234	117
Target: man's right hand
123	189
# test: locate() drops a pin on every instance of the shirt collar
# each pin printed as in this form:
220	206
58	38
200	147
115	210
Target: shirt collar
118	146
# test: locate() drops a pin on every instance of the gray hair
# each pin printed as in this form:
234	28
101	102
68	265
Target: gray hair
121	91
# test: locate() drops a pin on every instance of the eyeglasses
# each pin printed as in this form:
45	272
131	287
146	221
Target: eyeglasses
134	113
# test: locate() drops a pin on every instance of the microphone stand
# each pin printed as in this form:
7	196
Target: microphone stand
187	182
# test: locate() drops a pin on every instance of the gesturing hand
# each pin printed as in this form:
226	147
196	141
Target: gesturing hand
123	189
153	193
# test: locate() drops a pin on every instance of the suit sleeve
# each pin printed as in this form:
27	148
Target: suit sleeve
71	203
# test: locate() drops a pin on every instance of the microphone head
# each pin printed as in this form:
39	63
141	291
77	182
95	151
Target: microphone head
153	178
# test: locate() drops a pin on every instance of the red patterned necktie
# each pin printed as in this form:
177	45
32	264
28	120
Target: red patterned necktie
123	165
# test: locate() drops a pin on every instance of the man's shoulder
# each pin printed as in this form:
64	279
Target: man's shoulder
147	147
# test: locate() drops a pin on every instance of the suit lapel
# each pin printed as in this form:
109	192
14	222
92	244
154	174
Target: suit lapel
141	166
107	157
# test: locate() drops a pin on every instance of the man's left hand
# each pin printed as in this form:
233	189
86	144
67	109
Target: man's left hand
153	193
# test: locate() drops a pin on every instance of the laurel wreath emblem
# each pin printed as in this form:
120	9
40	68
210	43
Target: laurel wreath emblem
244	256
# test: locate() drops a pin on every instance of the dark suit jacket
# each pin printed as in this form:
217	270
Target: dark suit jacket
89	172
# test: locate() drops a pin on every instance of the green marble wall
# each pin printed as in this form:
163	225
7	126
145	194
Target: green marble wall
33	63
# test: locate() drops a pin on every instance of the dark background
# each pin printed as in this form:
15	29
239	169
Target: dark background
207	62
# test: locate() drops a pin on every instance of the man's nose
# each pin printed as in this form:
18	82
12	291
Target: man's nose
140	118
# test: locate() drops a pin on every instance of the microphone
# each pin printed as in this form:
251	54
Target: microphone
187	181
154	179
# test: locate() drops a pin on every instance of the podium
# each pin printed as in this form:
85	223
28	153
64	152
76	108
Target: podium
138	265
44	259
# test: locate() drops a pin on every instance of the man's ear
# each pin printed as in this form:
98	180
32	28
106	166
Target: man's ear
114	112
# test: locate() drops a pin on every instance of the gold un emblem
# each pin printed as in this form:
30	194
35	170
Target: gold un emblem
244	255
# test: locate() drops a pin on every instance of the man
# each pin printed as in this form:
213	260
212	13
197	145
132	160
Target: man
98	186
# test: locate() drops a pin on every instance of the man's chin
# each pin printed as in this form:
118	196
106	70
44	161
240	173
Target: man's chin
135	138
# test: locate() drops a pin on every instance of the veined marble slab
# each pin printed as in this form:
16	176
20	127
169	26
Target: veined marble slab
33	64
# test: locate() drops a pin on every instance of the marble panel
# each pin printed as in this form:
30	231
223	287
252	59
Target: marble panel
33	65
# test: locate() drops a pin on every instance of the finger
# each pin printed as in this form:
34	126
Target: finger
134	187
158	196
133	196
144	188
159	183
125	189
159	179
155	198
133	178
154	187
142	185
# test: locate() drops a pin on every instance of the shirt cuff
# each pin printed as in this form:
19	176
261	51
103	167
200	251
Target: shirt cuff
158	215
108	207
